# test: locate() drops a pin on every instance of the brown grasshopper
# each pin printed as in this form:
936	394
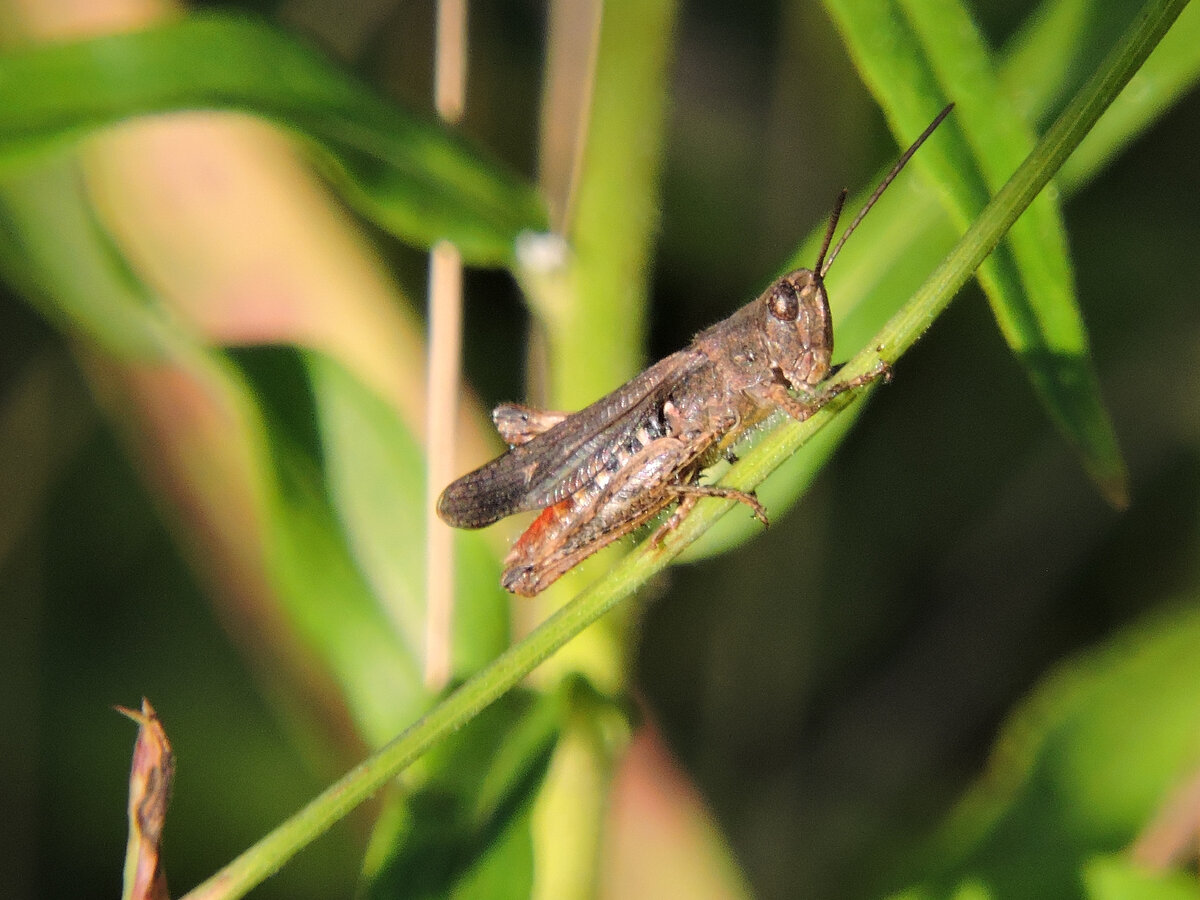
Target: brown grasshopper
604	471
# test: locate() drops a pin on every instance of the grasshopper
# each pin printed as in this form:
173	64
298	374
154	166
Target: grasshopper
610	468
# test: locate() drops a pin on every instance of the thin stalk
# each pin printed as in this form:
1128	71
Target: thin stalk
445	365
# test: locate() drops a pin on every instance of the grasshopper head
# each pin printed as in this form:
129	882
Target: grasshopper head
798	328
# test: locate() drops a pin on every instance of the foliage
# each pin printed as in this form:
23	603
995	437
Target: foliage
252	386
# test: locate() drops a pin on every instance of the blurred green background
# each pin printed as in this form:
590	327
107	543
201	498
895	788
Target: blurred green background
833	685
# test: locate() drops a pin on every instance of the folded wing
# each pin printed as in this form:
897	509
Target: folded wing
559	462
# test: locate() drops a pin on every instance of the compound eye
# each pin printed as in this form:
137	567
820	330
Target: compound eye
783	302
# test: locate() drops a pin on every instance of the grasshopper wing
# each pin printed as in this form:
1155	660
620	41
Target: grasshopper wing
558	462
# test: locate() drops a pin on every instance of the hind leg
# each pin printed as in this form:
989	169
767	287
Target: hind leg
519	424
688	494
598	514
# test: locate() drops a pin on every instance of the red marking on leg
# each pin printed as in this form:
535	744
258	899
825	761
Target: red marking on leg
548	517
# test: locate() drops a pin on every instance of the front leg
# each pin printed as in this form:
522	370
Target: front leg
803	407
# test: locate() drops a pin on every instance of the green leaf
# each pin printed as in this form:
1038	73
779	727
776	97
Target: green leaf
1080	770
411	176
931	53
907	237
375	474
1038	312
911	321
465	833
319	584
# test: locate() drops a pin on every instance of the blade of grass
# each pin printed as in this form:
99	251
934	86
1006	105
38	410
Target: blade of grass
932	46
1029	179
270	853
465	832
905	242
444	363
1039	314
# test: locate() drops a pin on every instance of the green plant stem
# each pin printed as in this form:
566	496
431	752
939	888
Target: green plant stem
269	854
592	306
1027	182
265	857
934	295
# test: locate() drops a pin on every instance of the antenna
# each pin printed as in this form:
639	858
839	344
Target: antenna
831	228
823	264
